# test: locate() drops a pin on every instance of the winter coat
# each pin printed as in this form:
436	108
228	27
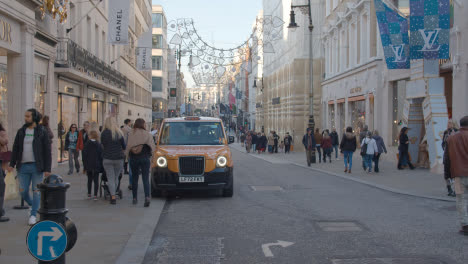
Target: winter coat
67	141
380	144
348	142
140	137
457	146
447	133
113	149
92	156
262	142
371	146
287	140
248	139
254	139
404	143
271	140
82	139
363	135
327	142
276	137
305	141
318	138
334	138
41	148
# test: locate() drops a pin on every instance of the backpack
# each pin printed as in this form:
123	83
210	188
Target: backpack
364	148
137	149
286	141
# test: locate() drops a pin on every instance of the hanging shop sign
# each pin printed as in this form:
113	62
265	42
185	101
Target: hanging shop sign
68	87
118	14
95	95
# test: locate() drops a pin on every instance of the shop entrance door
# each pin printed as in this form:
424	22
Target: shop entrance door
67	115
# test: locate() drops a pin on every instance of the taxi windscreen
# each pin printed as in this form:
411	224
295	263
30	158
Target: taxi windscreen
192	133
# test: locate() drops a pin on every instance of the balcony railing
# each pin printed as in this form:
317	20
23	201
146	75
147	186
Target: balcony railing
74	56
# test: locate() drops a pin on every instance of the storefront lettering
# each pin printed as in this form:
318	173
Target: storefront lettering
119	24
356	90
5	35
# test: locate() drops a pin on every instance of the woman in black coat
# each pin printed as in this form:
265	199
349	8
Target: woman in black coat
403	150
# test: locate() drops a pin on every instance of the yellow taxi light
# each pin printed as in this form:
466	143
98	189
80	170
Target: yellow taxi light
191	118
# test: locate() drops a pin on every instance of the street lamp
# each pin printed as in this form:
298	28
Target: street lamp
306	9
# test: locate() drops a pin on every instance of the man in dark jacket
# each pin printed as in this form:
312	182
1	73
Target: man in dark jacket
275	146
457	146
335	142
254	141
309	143
32	157
287	143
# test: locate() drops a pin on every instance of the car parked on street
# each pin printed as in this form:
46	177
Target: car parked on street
192	153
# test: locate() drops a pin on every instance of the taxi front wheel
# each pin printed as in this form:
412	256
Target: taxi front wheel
229	191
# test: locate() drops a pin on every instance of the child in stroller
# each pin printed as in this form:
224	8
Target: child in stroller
104	188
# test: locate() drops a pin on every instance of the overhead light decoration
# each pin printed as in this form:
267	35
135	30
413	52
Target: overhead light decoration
55	8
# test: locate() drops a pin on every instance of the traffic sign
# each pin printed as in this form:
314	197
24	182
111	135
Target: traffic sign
47	240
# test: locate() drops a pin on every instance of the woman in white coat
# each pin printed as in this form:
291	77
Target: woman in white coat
368	151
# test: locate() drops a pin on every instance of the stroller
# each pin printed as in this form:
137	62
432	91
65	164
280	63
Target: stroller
104	188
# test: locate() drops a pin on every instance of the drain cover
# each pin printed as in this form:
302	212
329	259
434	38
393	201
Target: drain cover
266	188
329	226
387	261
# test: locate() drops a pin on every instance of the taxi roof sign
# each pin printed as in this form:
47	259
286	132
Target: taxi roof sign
191	118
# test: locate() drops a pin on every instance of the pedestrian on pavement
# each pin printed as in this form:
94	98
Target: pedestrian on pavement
83	137
71	141
281	146
381	147
368	151
309	144
335	142
254	141
271	142
452	128
248	142
363	133
318	142
242	138
287	143
457	145
275	142
139	149
262	143
113	154
32	157
4	161
125	131
92	162
404	159
326	146
45	124
348	147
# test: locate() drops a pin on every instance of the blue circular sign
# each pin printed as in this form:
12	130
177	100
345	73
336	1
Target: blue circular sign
47	240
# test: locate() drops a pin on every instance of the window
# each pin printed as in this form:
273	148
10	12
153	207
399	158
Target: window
157	42
157	19
192	133
156	84
157	63
39	91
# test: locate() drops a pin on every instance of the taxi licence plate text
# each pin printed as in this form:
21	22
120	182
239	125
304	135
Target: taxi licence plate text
192	179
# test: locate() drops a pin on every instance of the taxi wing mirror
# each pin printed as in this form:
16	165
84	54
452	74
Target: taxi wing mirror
231	139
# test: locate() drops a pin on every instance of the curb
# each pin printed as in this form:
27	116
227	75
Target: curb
135	250
378	186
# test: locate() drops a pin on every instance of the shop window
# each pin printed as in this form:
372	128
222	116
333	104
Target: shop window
358	115
3	96
39	92
156	84
157	41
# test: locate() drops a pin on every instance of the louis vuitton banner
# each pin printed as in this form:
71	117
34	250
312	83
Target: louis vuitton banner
118	14
430	29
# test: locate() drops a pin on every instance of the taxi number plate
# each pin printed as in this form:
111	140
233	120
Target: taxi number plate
191	179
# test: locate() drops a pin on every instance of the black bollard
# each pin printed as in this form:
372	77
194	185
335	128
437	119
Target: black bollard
53	197
21	206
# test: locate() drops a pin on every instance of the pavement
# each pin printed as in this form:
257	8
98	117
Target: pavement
419	182
284	213
106	233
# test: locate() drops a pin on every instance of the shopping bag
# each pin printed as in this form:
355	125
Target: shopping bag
11	186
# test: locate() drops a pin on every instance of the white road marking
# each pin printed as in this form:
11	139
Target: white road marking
267	251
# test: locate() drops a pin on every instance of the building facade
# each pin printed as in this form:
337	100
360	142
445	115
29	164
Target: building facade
291	95
159	75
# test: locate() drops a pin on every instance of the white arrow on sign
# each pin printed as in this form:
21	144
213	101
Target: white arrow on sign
266	247
55	234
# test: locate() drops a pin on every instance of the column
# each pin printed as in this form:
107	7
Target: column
347	121
367	108
20	80
335	107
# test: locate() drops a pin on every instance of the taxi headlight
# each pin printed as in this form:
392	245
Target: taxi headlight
221	161
161	162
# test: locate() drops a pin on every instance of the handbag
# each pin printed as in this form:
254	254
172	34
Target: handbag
6	155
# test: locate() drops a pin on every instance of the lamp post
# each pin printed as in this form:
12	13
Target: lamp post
306	9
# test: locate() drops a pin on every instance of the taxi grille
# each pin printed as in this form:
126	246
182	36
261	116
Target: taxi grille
192	165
